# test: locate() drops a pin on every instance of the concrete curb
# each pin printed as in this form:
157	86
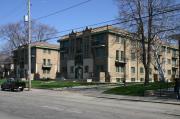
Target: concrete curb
140	100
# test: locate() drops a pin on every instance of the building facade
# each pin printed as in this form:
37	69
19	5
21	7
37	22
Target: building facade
6	66
107	54
44	61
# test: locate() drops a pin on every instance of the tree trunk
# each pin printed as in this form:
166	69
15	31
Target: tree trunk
146	75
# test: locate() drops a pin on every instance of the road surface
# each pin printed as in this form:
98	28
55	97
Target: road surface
46	104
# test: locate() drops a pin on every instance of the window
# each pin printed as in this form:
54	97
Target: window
173	72
169	61
86	69
173	62
117	54
133	79
119	69
122	69
150	79
174	53
122	40
169	72
118	39
86	49
141	70
132	69
44	71
150	71
168	50
49	62
49	51
163	60
119	79
72	69
163	49
133	56
44	61
122	56
48	71
141	79
44	50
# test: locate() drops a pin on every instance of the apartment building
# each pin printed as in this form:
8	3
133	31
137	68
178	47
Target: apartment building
44	61
6	66
109	54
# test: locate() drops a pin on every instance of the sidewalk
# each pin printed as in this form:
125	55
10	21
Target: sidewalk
97	91
162	100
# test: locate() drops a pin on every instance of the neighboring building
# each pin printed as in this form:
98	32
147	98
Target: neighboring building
44	60
107	54
6	66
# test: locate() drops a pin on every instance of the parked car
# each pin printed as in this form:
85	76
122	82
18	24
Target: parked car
12	84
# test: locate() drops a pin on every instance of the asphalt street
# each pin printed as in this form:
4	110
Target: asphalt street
47	104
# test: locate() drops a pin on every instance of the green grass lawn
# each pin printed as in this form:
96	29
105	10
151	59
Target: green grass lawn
53	84
50	84
137	89
58	84
41	84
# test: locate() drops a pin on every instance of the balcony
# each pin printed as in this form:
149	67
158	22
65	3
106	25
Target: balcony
175	56
96	44
175	66
46	66
120	62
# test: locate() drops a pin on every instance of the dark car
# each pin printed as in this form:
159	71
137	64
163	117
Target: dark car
12	85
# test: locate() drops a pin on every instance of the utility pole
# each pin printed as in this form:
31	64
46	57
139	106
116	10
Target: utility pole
29	45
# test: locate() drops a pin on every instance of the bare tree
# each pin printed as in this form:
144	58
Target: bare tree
147	19
16	34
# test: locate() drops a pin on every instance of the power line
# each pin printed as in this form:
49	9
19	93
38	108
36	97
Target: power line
124	21
113	24
90	25
110	21
62	10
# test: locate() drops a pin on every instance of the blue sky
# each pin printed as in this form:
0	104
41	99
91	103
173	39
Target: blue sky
92	12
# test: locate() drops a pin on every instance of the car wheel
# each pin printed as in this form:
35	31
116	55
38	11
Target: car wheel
2	89
21	89
12	89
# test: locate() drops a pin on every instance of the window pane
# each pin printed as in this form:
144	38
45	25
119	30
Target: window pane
141	70
133	57
117	54
44	61
133	79
132	69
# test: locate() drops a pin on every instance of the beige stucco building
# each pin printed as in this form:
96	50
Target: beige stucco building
109	54
44	60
